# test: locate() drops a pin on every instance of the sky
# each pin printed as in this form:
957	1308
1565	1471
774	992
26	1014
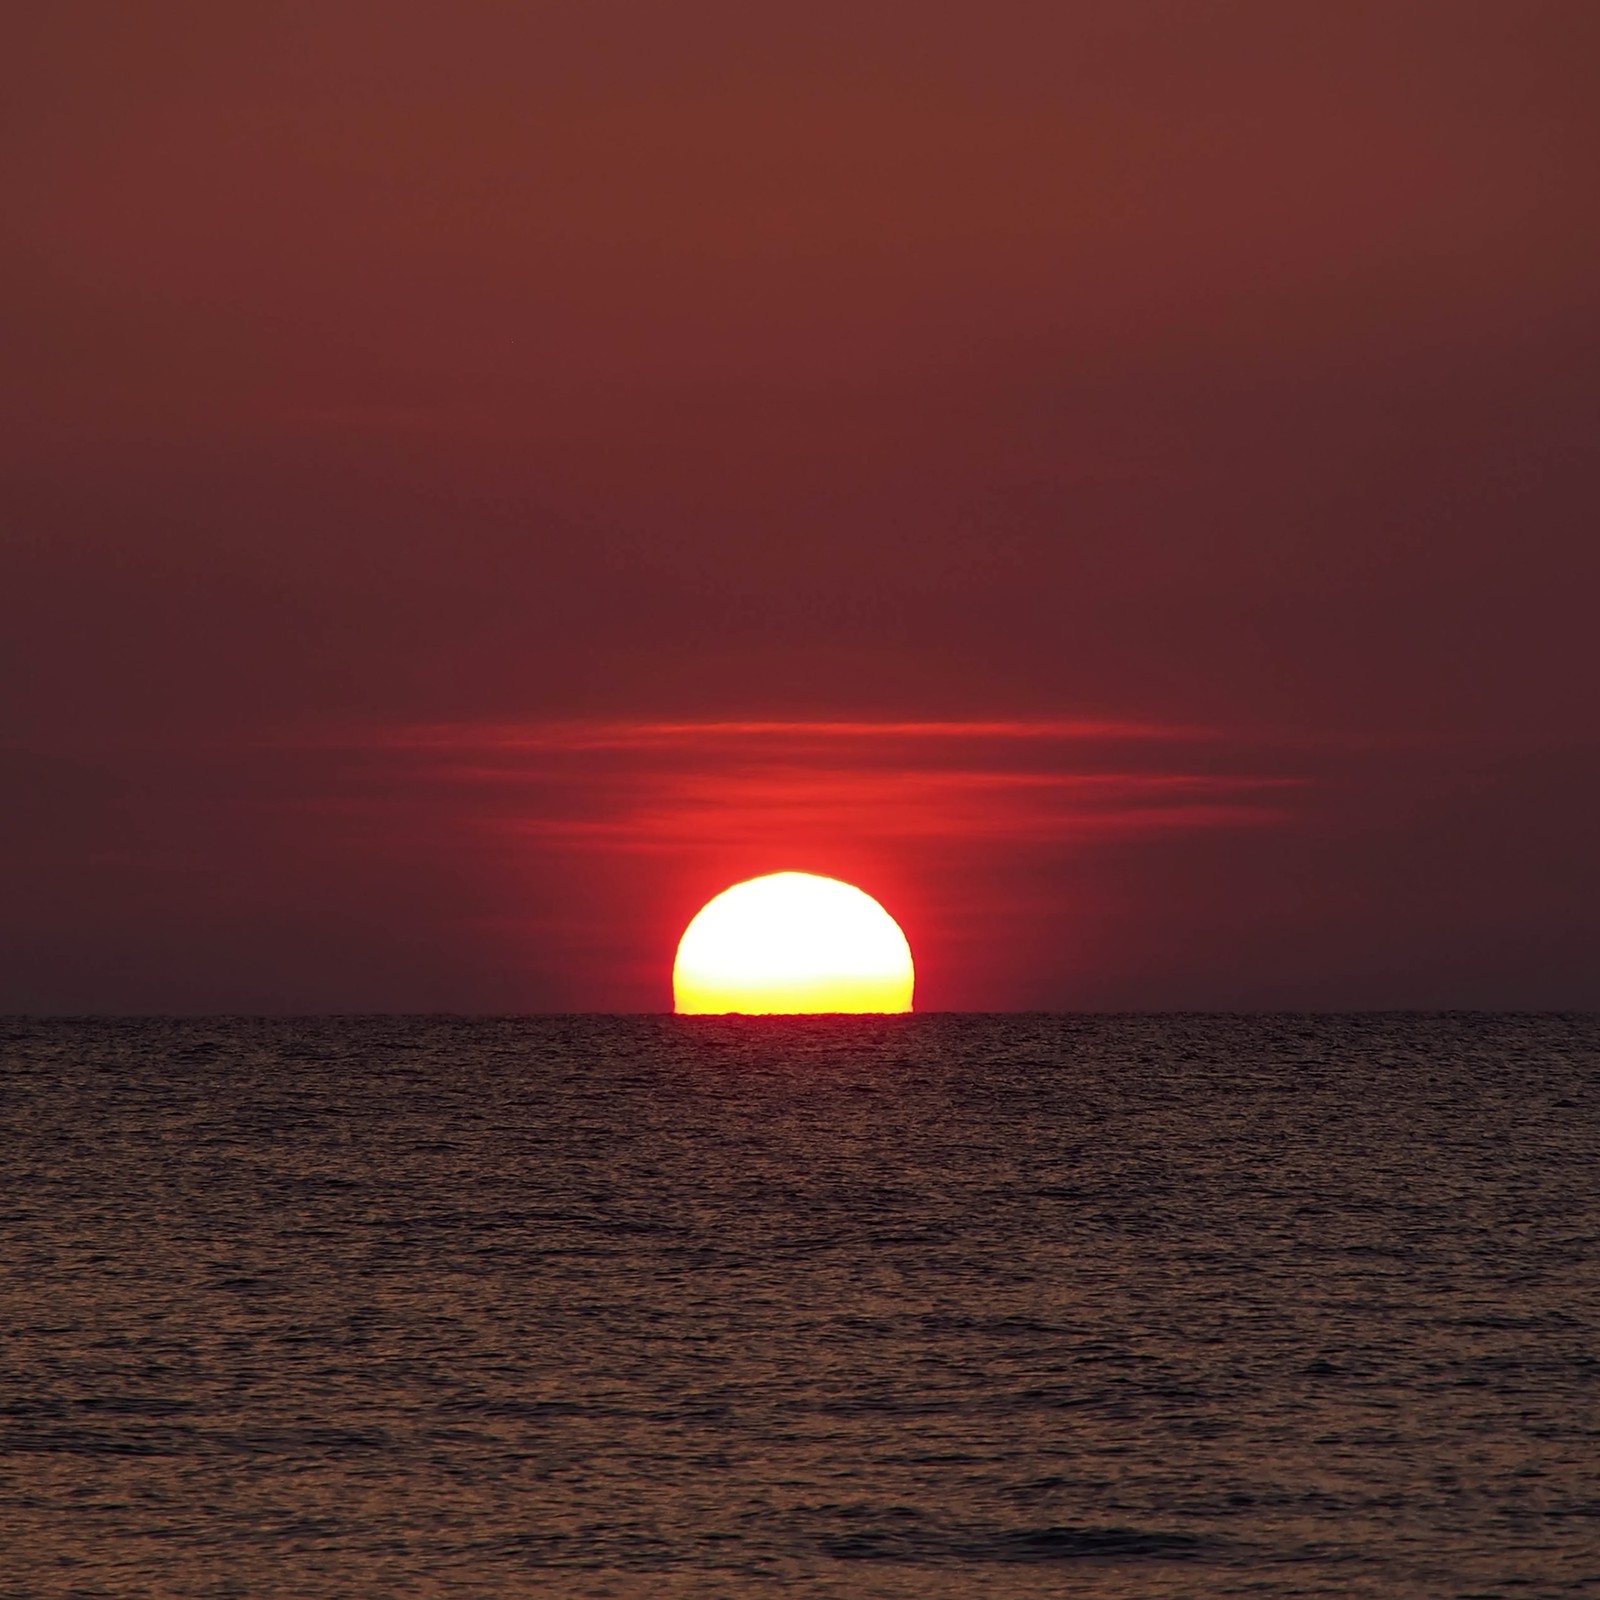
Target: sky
1118	481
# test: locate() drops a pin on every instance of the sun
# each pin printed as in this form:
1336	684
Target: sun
792	942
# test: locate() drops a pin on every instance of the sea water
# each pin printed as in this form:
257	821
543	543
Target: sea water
910	1306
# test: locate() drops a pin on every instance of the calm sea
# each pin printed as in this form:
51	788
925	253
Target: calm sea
928	1306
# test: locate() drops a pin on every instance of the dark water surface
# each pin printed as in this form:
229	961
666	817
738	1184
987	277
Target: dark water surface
931	1306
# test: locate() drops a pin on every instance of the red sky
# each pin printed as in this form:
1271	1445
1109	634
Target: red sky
1119	481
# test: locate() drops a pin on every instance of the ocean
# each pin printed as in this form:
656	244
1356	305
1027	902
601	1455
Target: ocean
935	1306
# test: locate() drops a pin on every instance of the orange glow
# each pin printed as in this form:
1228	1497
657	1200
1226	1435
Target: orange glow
792	942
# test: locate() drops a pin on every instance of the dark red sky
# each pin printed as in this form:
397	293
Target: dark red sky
422	424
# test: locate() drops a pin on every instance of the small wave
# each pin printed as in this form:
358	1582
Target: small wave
1007	1544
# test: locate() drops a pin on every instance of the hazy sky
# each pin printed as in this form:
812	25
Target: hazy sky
422	424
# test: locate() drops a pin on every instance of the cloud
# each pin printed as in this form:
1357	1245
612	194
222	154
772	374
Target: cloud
793	787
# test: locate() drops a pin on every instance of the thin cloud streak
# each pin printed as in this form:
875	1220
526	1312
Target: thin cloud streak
631	735
649	833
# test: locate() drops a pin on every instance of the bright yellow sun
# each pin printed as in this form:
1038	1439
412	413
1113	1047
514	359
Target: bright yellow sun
792	942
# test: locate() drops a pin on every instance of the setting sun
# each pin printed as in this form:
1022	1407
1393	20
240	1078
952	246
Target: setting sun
792	942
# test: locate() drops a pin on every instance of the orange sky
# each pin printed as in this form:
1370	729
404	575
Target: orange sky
1205	394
